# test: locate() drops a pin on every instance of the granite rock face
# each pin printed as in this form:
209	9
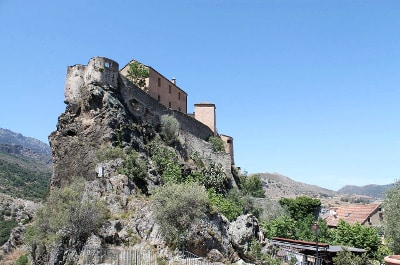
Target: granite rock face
106	109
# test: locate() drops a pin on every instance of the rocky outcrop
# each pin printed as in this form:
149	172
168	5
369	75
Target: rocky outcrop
242	231
106	109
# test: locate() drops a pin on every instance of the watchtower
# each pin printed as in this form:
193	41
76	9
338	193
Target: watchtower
99	70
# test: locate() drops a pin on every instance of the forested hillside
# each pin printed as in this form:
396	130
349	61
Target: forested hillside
25	166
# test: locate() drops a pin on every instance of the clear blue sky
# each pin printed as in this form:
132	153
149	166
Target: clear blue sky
308	89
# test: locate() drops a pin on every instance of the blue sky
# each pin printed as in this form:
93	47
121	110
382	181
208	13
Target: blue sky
308	89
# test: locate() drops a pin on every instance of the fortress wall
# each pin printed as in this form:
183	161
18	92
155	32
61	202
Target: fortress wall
131	93
99	70
74	82
205	150
103	71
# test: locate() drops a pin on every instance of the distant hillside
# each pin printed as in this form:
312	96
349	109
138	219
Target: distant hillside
25	166
277	186
12	138
373	190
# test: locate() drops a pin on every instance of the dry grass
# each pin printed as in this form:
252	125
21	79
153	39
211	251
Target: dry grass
12	257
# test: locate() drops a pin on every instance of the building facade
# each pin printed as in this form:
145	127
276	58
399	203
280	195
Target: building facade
165	91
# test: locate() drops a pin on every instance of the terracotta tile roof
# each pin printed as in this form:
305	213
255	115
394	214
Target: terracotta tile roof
351	214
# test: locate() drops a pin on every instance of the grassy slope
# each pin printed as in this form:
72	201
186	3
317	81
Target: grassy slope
23	177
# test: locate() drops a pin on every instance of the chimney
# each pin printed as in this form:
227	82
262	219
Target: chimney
173	80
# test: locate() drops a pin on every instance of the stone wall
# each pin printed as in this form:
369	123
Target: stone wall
100	70
205	150
130	93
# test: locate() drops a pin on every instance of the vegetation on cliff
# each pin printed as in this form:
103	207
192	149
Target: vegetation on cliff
67	216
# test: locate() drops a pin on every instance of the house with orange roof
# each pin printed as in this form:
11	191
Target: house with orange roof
364	214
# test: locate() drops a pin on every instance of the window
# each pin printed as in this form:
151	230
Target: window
169	104
159	81
106	64
179	95
169	89
159	98
180	109
229	141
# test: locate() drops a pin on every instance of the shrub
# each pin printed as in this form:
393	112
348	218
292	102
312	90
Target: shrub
68	215
253	186
177	207
345	257
230	208
23	260
105	153
169	128
136	170
217	143
166	162
215	177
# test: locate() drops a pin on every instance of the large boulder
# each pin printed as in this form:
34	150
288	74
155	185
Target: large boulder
242	231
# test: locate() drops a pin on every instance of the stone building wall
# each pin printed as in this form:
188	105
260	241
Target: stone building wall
205	150
163	90
228	144
131	94
100	70
205	113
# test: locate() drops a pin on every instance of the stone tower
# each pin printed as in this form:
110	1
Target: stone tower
99	70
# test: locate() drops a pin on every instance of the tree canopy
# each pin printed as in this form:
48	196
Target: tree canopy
138	73
301	206
392	218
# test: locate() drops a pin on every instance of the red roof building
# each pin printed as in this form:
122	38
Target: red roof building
365	214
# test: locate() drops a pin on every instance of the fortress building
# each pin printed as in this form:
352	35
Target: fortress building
104	71
167	93
162	89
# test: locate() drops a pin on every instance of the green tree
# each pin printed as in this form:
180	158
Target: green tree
283	226
287	227
345	257
253	186
177	207
138	73
217	143
301	206
169	128
392	218
358	236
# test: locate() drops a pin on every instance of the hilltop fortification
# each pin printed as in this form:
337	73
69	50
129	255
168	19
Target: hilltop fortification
105	108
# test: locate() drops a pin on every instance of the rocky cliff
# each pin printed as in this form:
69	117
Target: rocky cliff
105	109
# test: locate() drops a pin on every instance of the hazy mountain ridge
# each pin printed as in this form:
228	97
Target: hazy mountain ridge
372	190
277	186
12	138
